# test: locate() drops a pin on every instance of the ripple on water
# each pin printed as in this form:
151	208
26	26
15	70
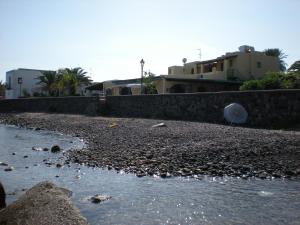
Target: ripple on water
144	200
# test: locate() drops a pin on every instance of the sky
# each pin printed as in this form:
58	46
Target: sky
108	38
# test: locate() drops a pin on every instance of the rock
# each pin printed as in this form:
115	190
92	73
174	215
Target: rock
38	149
13	153
3	164
100	198
45	203
59	165
45	149
263	175
2	197
55	149
10	168
25	156
140	174
159	125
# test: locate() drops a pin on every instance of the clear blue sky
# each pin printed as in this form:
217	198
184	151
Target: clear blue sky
108	38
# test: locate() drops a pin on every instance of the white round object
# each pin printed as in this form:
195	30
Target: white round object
235	113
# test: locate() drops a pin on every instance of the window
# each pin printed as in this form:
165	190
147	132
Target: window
192	71
258	64
230	63
170	71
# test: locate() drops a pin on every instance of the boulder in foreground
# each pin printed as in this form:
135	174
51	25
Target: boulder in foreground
45	203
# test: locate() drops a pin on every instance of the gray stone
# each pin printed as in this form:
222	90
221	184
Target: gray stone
45	203
100	198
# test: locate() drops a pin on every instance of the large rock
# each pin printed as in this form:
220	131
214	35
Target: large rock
45	203
2	197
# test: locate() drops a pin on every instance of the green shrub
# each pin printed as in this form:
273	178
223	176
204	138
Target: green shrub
251	85
274	81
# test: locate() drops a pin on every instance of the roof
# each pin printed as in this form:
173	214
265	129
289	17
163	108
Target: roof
29	70
201	80
95	86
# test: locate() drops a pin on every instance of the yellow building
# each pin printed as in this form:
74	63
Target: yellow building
224	73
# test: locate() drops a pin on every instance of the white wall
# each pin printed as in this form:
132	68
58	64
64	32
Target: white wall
29	82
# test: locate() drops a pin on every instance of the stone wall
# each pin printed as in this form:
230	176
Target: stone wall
275	108
75	105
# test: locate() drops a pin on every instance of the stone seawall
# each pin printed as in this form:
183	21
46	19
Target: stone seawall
275	108
74	105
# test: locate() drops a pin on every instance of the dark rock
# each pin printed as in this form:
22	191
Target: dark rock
9	169
59	165
2	197
25	156
3	164
45	149
55	149
13	153
100	198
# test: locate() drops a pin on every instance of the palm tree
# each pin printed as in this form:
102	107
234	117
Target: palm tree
295	67
279	54
70	79
49	82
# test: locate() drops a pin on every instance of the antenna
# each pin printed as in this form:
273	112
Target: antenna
200	53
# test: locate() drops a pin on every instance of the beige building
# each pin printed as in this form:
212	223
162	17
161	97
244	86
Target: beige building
224	73
244	64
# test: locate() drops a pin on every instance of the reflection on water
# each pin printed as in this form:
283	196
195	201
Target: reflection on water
145	200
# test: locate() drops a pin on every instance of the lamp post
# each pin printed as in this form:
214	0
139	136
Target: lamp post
142	62
20	81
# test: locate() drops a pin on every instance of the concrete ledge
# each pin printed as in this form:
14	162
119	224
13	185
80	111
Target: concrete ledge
45	203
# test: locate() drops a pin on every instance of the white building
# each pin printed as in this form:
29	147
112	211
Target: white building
22	81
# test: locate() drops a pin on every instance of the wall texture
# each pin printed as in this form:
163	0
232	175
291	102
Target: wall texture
275	109
75	105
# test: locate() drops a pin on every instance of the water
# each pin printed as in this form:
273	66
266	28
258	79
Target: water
145	200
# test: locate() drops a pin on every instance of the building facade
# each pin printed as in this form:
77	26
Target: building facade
22	82
245	64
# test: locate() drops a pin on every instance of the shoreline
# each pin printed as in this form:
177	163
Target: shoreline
178	149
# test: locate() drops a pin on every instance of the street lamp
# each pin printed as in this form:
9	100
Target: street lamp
20	81
142	62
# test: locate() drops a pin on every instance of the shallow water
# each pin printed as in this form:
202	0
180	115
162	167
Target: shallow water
145	200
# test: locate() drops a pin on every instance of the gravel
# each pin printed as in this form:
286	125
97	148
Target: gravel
178	148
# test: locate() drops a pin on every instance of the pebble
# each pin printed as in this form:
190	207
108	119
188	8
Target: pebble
11	168
100	198
55	149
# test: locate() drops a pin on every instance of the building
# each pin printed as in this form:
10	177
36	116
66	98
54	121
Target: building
22	82
115	87
225	73
242	65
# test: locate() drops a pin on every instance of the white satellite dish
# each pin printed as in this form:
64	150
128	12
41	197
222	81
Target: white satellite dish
235	113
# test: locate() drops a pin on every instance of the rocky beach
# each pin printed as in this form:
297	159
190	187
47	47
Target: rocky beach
168	148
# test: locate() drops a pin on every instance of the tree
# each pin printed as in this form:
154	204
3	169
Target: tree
48	81
279	54
70	79
149	85
2	88
295	67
